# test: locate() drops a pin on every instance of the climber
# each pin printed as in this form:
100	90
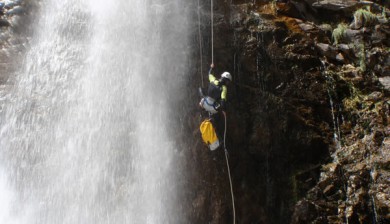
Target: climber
215	100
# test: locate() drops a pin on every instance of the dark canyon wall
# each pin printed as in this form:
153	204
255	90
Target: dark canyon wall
308	119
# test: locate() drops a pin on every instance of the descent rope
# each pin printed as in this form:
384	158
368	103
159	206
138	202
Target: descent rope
212	62
200	46
212	32
230	178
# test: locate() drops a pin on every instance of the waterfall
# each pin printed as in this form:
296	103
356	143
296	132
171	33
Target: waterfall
87	125
334	110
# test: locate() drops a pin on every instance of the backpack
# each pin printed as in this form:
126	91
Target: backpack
208	134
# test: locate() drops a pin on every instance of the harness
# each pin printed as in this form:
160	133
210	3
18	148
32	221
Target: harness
206	100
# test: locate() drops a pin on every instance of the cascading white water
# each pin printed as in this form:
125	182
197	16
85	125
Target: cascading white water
86	125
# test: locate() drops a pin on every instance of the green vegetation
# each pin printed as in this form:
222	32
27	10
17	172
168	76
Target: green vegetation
355	100
354	103
339	32
364	17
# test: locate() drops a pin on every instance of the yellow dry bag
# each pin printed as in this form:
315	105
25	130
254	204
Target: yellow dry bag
208	134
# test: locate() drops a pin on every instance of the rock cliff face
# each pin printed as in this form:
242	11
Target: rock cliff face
308	123
16	16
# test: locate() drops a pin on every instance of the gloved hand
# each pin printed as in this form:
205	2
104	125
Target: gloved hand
211	68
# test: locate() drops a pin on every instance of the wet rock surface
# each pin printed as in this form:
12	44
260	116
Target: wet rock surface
16	17
308	123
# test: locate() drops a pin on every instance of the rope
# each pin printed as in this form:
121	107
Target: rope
224	114
230	178
212	32
200	46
